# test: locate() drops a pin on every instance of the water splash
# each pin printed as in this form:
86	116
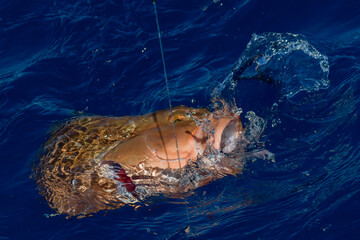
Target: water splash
255	127
286	59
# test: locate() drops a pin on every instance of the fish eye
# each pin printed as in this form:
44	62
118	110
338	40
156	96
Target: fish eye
177	120
177	116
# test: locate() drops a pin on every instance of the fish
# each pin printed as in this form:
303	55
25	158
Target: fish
96	163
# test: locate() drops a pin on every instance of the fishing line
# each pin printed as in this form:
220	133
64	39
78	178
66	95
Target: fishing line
171	111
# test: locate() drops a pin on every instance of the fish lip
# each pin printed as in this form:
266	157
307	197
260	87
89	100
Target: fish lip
230	135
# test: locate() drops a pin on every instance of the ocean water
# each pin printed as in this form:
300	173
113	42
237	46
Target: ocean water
62	59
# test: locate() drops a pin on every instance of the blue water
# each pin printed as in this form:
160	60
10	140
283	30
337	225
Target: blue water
61	59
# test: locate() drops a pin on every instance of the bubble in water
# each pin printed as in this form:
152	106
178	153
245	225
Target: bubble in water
275	122
274	107
255	127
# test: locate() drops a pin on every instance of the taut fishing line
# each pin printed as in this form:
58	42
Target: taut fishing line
171	111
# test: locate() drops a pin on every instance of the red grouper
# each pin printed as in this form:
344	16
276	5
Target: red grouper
100	163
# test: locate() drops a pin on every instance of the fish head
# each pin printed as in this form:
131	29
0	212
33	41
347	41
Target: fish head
172	139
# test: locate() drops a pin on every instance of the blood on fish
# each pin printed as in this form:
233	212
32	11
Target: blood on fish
127	183
122	177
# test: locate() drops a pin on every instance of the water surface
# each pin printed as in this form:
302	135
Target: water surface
60	59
